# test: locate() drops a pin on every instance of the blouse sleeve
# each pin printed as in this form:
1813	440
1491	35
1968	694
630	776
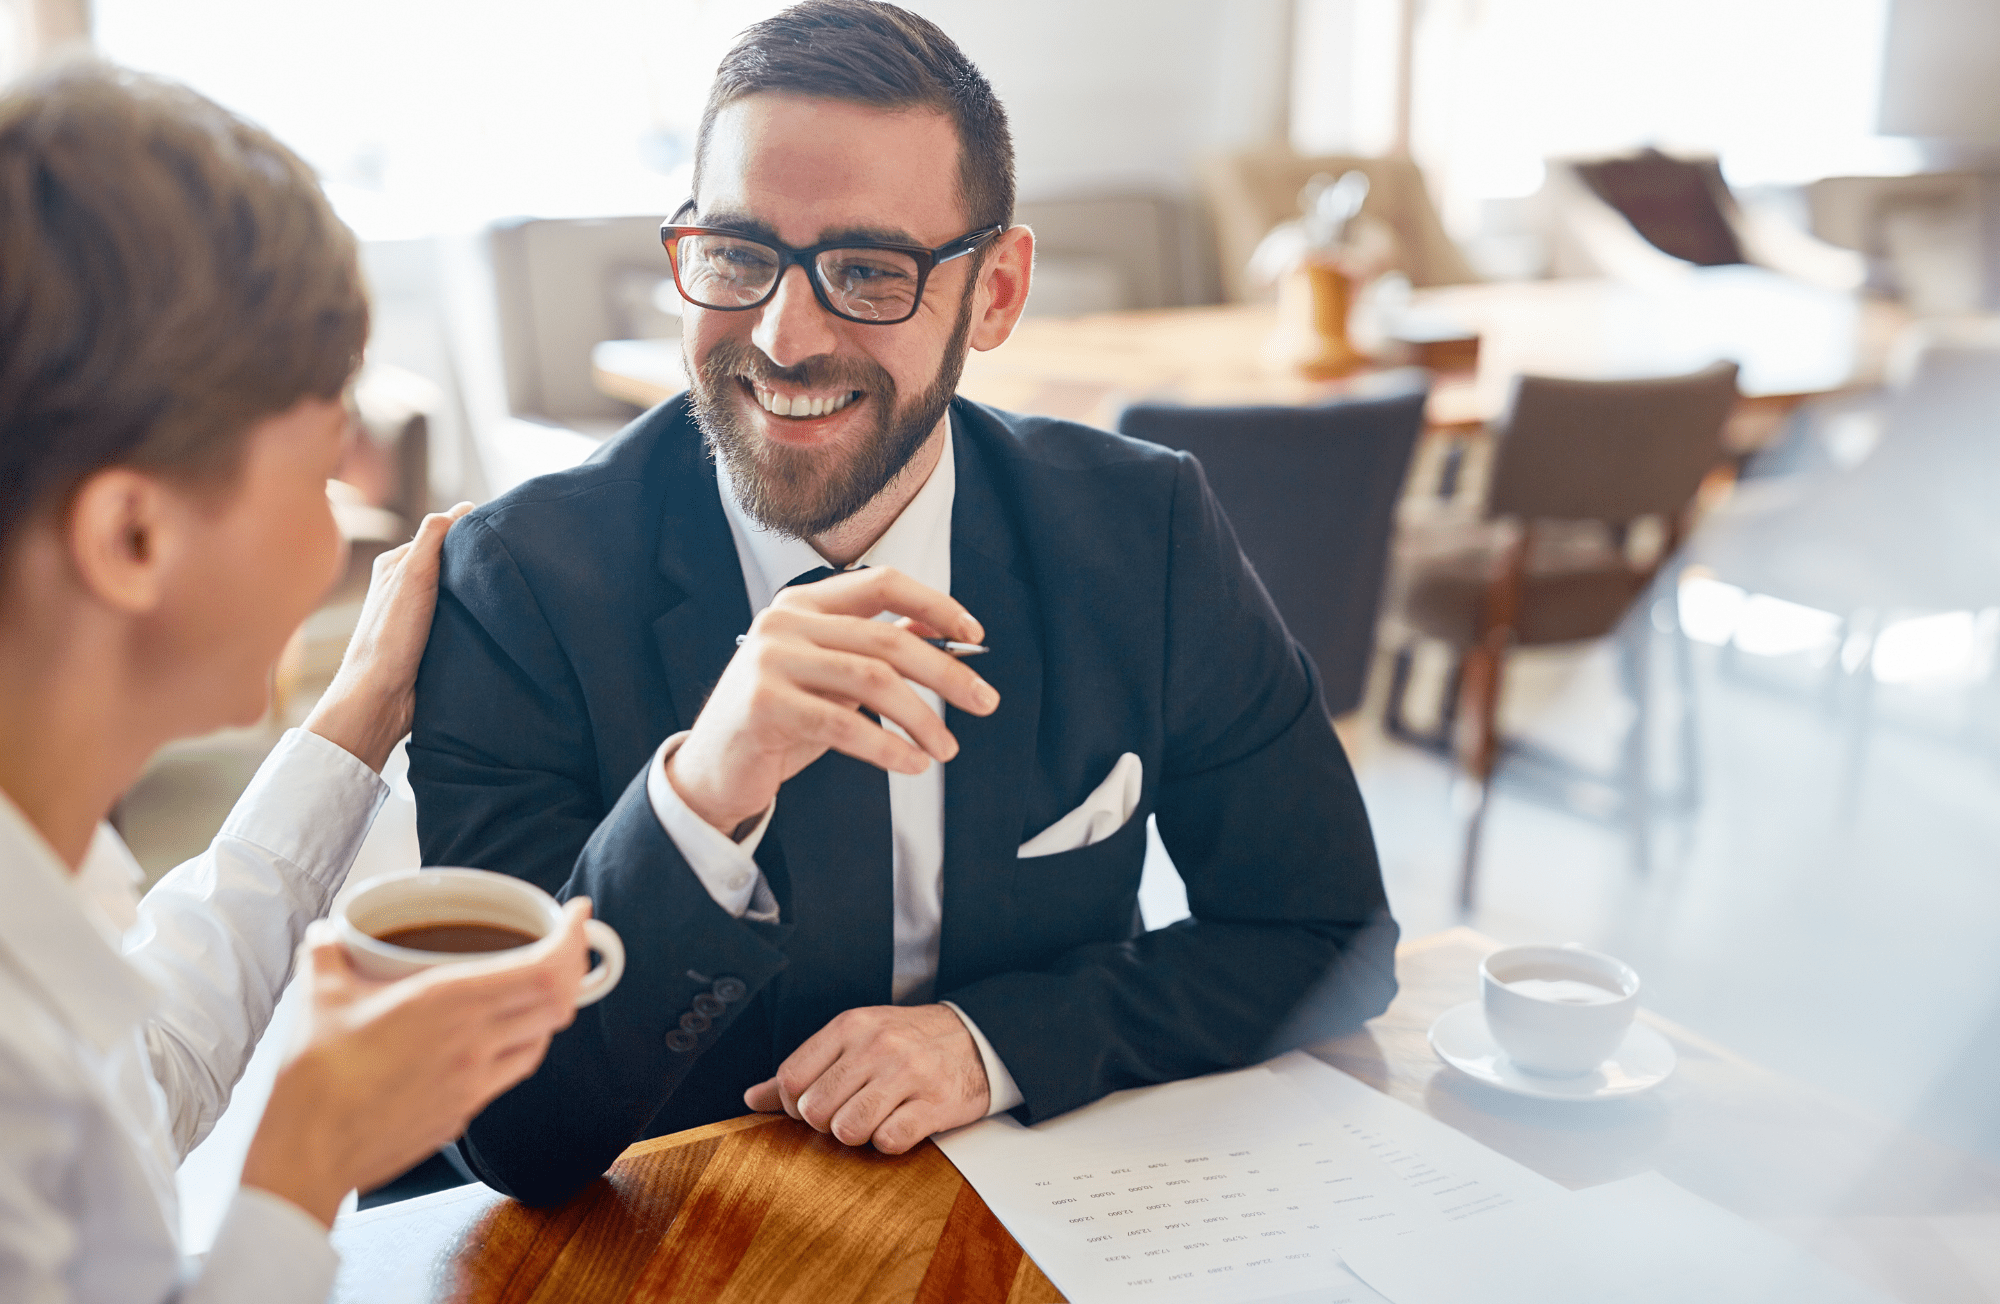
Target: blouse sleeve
217	936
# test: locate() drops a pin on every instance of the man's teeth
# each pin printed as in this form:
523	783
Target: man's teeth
803	405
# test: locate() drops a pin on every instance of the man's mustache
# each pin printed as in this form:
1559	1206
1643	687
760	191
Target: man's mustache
735	360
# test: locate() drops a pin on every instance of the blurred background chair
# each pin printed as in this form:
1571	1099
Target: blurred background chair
1111	252
563	284
1311	493
1647	216
1556	554
1251	191
1884	502
527	301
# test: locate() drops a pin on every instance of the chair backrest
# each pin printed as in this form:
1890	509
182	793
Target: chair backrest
560	286
1609	450
1680	205
1311	493
1102	253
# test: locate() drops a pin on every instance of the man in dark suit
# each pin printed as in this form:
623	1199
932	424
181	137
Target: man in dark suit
860	879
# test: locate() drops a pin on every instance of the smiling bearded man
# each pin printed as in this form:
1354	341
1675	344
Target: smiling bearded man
797	492
864	882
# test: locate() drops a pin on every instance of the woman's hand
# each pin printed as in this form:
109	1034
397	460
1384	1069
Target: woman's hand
391	1071
368	707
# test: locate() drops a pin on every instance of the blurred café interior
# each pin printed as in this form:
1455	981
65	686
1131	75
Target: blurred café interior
1717	695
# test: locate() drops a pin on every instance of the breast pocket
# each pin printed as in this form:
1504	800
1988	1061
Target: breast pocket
1087	895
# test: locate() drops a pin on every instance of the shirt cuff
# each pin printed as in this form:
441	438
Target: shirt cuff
310	805
268	1250
1001	1093
723	864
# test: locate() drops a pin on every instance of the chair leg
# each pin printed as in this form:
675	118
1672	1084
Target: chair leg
1480	674
1690	794
1633	660
1468	869
1397	725
1399	687
1454	688
1477	725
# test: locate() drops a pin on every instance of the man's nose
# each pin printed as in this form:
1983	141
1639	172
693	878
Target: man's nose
791	326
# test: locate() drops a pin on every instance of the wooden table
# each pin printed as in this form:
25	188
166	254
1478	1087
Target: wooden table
1792	340
764	1209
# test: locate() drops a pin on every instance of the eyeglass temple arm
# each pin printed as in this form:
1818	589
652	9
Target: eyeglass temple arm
965	244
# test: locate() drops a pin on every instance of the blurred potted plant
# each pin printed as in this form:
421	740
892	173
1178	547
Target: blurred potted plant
1319	261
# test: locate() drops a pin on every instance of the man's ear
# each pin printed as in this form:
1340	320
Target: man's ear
121	538
1003	287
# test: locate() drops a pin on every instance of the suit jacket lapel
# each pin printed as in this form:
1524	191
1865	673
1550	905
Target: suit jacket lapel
697	635
985	788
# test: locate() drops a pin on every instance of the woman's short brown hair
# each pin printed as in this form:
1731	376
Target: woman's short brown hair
169	275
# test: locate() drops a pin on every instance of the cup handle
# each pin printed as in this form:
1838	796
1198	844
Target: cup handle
597	984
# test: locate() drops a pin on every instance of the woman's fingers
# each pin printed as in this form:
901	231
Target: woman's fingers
369	705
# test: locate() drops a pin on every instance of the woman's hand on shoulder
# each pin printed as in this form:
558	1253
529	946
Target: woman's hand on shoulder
368	707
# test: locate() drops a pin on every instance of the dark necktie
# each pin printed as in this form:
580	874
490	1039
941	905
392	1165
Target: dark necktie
834	855
813	576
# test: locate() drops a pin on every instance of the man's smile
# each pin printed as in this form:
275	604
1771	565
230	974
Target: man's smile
801	406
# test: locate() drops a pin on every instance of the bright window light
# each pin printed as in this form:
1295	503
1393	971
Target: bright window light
1781	90
1772	627
1709	609
1954	647
429	115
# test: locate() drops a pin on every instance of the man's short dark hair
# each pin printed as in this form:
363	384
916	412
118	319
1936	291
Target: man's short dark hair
169	276
876	54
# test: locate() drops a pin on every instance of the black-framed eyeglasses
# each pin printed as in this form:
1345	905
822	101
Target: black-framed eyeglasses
873	282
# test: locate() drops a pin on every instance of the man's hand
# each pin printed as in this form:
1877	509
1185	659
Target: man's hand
886	1074
791	692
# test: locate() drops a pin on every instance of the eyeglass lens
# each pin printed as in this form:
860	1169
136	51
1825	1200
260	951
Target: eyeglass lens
718	271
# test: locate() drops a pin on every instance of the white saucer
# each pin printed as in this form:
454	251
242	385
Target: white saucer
1641	1062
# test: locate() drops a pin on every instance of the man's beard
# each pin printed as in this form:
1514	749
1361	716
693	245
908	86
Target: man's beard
800	492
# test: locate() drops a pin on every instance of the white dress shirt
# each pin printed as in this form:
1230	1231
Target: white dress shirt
124	1024
918	543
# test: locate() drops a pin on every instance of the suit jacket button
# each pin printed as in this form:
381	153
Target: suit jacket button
708	1006
730	989
680	1041
694	1023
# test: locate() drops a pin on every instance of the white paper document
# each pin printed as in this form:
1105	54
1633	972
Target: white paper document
1229	1189
1638	1241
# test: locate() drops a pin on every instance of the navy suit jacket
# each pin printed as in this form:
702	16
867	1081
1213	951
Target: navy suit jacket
584	616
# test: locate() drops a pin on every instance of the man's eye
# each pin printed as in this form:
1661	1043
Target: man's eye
869	271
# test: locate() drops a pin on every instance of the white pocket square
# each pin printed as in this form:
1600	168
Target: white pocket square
1102	814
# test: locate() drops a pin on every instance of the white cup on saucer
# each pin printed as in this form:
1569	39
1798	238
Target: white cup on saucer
1557	1011
397	924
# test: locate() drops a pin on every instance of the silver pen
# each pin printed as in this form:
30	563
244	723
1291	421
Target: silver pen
952	646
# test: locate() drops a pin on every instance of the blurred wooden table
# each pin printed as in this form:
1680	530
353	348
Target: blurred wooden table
764	1209
1793	341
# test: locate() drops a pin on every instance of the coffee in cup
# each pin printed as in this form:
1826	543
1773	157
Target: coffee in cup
1557	1010
394	925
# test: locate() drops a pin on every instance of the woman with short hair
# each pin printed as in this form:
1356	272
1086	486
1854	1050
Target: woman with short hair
180	314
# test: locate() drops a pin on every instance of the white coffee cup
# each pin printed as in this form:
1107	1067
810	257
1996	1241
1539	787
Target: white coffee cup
1557	1010
464	900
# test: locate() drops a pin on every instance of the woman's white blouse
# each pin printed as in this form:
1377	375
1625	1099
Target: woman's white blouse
125	1023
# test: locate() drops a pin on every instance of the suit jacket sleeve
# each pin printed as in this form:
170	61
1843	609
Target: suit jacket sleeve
1290	939
503	782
